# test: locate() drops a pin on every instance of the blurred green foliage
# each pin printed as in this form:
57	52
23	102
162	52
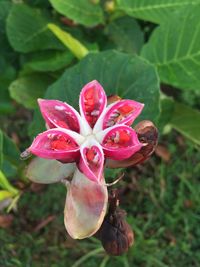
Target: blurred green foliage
144	50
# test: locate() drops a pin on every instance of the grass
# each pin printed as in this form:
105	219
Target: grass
163	205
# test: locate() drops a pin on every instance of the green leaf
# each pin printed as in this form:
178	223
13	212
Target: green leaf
27	89
1	149
4	10
186	121
27	30
4	184
167	108
81	11
174	49
7	74
9	150
154	10
4	194
122	74
49	60
48	171
37	125
78	49
126	34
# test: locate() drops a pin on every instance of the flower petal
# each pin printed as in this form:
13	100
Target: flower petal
91	160
59	114
46	171
120	112
92	102
147	134
58	143
119	142
85	207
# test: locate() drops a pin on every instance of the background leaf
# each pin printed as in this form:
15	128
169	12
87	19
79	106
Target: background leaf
27	89
186	121
175	50
126	34
154	10
50	60
4	184
81	11
128	76
27	29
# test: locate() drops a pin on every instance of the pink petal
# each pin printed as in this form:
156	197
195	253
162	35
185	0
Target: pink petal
59	114
119	142
58	143
120	112
85	207
92	102
91	160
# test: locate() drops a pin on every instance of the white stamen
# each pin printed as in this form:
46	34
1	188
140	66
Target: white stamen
50	136
59	108
114	115
95	113
96	159
116	139
110	123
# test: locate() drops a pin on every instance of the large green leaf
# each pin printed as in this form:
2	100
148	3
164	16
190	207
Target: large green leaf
167	109
4	9
82	11
187	121
50	60
154	10
126	34
174	49
128	76
27	89
27	30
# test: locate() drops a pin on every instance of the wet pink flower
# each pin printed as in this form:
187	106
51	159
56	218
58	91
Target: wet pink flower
88	138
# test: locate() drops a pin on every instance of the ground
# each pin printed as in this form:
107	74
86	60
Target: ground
161	198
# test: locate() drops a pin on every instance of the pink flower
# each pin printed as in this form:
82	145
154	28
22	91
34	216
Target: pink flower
88	138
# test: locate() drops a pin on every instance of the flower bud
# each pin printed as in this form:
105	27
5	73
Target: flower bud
116	234
113	98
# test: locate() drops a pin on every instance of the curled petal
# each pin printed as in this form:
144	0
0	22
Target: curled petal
120	112
91	160
85	207
147	134
58	143
46	171
59	114
92	102
119	142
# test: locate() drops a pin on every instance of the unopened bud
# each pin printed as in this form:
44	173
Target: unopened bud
113	98
116	234
110	6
